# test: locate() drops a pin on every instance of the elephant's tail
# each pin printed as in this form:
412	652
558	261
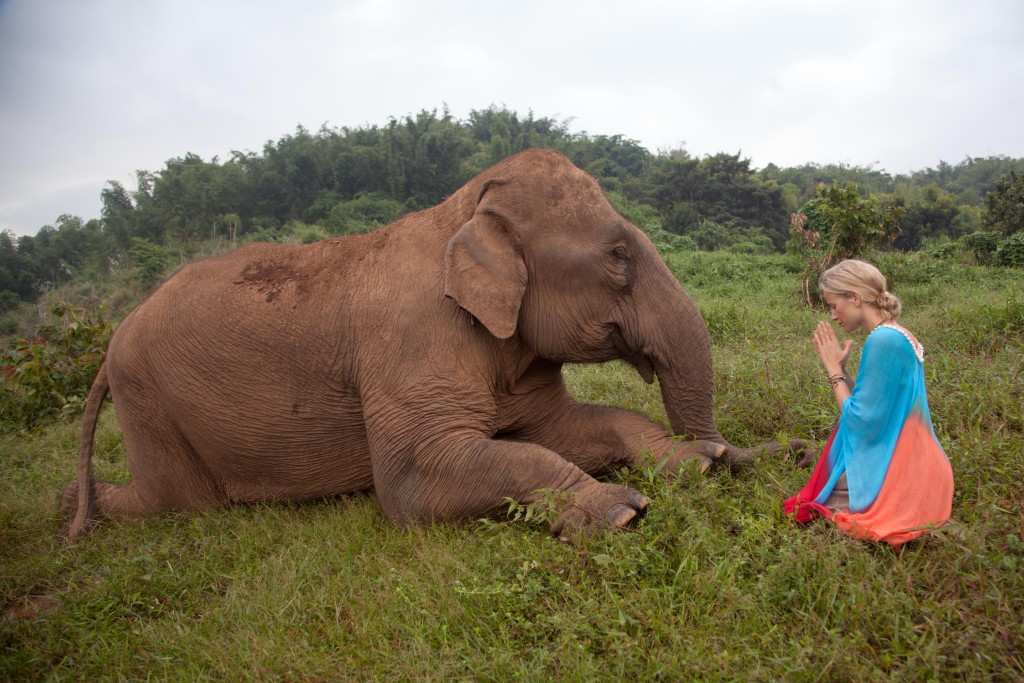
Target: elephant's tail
82	520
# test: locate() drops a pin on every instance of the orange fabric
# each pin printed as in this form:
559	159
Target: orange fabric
917	493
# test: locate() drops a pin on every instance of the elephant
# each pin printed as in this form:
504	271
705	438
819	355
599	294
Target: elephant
422	360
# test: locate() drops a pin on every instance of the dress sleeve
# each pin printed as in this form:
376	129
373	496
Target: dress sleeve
873	416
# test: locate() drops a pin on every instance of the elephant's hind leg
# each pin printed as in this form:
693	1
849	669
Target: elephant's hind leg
166	473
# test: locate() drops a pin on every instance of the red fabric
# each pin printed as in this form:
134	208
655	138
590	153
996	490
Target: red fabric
802	506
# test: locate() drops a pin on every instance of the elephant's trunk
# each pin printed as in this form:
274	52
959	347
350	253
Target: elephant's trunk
687	387
670	335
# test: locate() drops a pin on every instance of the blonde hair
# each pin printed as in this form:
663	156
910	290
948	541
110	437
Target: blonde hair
851	275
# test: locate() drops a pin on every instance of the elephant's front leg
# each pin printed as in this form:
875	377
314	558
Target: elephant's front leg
600	439
440	472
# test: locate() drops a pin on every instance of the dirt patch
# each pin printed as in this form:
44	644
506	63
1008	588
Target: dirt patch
35	606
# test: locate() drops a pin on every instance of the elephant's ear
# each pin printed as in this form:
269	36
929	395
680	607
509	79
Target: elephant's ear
485	272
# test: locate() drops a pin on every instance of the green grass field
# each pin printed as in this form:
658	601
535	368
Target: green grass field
715	583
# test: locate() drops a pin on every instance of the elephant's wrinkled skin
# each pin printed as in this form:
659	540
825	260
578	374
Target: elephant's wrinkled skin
422	360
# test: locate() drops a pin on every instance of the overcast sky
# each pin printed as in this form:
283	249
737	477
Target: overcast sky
93	90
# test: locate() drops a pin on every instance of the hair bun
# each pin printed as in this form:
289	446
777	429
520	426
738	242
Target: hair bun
889	304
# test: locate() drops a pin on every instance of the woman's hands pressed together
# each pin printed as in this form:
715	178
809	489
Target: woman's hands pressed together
833	355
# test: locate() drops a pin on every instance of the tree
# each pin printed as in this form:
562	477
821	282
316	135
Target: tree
118	213
720	188
806	178
150	261
933	215
338	180
970	180
838	224
1004	205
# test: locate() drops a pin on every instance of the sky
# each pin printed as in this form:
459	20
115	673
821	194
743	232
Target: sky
93	90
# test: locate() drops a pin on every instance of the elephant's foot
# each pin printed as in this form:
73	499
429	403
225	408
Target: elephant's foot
805	453
709	453
69	498
597	504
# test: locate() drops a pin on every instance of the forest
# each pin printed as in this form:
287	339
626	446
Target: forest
311	185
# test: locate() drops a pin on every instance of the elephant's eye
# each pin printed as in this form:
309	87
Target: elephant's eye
620	253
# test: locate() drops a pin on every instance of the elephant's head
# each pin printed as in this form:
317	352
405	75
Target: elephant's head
545	256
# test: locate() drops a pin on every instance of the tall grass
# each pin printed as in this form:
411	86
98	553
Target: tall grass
714	583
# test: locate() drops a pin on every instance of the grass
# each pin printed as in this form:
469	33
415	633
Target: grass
717	584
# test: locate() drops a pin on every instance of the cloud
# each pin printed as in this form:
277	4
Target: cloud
96	89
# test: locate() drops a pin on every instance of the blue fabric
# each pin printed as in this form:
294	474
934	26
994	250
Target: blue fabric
889	387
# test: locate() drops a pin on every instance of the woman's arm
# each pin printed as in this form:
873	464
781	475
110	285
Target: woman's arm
833	358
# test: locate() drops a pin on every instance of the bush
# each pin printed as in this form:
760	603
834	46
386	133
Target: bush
9	301
711	236
943	249
150	261
757	244
51	374
364	213
983	245
644	216
668	243
301	233
1011	252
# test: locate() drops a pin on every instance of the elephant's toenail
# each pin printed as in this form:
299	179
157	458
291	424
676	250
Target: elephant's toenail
620	515
639	501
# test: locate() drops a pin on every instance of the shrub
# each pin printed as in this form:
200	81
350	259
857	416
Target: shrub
301	233
52	373
943	249
711	236
9	301
757	244
150	261
1011	252
364	213
983	245
644	216
669	243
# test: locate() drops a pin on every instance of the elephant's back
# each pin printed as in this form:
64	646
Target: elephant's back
261	314
257	288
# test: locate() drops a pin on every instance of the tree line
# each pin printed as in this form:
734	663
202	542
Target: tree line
308	185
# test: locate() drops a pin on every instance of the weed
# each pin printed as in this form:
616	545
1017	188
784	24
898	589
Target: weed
51	374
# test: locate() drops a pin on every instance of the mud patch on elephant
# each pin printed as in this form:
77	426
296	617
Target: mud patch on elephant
271	277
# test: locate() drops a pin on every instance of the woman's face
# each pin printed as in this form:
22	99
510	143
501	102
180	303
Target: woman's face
846	310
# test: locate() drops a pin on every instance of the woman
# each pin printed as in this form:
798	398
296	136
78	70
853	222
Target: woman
883	475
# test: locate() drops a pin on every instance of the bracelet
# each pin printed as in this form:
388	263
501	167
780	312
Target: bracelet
835	379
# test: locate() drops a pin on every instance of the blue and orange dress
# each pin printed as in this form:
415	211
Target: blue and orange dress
898	481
